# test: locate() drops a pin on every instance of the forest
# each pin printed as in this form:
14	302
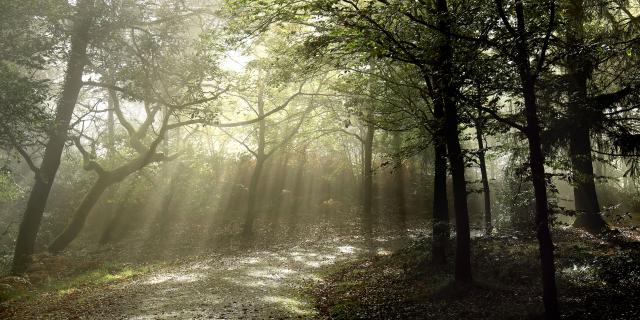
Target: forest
319	159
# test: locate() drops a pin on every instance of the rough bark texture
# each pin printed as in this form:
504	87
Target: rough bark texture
57	137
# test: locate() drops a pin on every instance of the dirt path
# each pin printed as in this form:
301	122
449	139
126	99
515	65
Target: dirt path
252	285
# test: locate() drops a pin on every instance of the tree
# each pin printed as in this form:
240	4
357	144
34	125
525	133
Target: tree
80	38
521	56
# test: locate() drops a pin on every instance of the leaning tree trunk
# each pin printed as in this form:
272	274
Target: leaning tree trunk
579	67
446	96
109	232
57	138
104	181
72	230
485	180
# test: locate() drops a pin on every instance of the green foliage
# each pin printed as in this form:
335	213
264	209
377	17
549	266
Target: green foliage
23	112
9	190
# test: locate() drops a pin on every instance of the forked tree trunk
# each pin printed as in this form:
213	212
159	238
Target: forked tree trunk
57	138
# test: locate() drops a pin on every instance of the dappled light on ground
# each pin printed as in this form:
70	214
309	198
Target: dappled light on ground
257	285
264	283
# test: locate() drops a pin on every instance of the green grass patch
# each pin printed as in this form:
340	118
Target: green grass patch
103	275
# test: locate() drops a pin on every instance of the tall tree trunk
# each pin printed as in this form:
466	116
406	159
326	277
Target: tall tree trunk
579	67
446	96
57	137
252	198
257	172
401	205
536	161
297	194
278	193
485	179
367	177
440	218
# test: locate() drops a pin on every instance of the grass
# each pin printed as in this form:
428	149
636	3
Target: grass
103	275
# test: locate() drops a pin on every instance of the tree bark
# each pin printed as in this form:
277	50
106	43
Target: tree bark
446	96
109	232
297	194
401	206
579	69
257	172
44	179
367	177
252	198
105	179
536	162
72	230
488	227
440	215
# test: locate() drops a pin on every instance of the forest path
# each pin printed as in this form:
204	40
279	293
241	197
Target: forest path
251	284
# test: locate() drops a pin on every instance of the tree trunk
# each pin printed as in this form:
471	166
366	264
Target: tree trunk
446	96
485	179
401	205
536	161
80	216
257	172
579	67
252	199
104	180
57	137
117	218
297	194
367	178
280	181
440	215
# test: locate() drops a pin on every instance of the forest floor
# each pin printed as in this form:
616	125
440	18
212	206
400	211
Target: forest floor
596	280
260	282
340	277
